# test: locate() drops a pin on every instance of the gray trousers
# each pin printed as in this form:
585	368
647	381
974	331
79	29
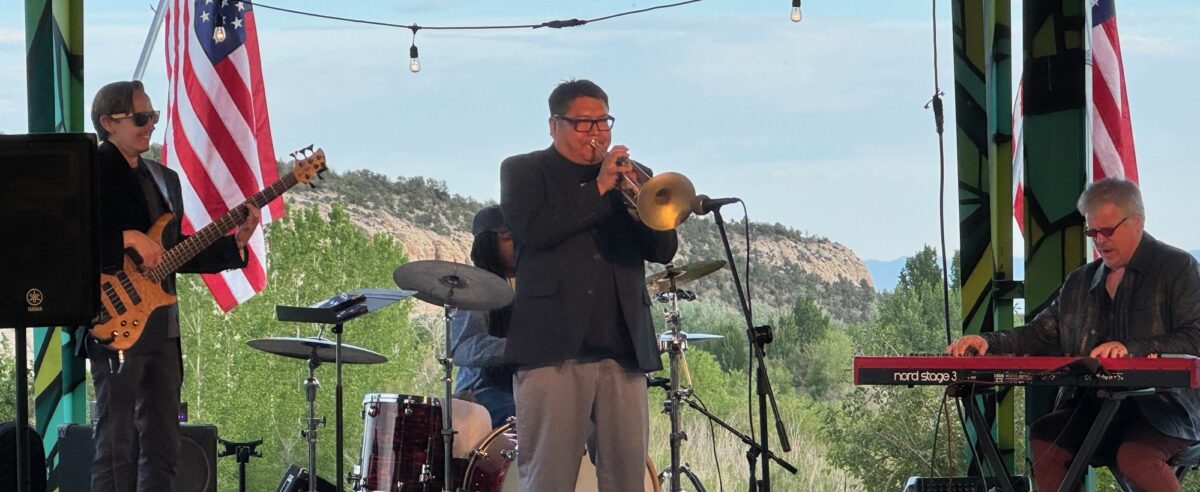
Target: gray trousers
561	408
137	434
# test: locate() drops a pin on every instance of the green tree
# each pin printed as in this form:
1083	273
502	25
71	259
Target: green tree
921	268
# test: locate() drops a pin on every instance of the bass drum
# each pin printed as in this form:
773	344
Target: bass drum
492	467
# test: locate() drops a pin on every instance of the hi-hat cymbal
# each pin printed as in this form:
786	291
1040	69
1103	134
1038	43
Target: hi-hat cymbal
302	348
443	283
691	337
661	281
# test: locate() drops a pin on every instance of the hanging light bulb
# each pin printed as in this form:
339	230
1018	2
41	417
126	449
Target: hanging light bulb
219	31
796	15
414	63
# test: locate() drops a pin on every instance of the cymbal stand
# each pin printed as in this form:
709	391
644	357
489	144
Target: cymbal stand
447	417
675	348
310	392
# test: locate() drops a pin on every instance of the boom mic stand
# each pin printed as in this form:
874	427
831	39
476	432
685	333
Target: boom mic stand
758	338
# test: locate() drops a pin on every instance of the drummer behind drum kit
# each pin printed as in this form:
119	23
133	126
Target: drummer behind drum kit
401	448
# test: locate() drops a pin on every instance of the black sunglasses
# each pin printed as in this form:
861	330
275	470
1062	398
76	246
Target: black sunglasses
1103	231
139	119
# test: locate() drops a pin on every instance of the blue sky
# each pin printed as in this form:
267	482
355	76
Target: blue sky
817	125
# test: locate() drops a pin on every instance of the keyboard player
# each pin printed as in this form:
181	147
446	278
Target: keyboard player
1141	297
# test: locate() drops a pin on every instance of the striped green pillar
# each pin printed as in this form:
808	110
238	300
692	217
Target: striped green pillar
1056	156
54	75
983	122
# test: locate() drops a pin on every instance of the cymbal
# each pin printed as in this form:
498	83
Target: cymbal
302	348
691	337
661	281
444	283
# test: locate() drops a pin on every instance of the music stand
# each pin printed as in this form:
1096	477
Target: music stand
336	311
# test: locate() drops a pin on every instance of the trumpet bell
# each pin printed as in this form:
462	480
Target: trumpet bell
665	201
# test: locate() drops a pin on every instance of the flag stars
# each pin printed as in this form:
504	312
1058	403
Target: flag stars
237	23
240	6
204	16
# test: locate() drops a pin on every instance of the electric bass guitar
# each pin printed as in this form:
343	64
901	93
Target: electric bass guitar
128	296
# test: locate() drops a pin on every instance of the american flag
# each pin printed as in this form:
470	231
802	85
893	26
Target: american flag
218	134
1112	131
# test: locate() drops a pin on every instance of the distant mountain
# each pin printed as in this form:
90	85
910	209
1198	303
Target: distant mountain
886	273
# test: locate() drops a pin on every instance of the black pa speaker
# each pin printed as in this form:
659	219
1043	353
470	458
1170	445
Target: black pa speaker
196	470
50	214
36	462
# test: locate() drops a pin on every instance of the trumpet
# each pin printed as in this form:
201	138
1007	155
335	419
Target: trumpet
660	202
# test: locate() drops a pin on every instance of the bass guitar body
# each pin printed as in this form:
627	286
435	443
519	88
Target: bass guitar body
127	298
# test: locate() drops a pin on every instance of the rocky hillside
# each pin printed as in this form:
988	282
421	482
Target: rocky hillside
433	223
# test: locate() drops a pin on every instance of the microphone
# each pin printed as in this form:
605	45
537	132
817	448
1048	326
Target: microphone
702	204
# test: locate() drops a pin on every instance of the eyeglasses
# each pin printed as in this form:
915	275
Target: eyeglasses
1103	231
139	119
584	125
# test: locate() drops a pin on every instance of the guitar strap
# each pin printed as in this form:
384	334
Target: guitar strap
156	172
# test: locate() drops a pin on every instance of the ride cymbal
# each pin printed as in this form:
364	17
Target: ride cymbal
445	283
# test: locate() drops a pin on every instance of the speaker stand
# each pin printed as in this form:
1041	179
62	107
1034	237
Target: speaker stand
22	420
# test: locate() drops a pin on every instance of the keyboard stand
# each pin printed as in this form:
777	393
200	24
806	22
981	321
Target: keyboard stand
1108	409
965	392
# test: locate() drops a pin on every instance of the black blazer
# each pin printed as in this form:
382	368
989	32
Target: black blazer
558	224
123	207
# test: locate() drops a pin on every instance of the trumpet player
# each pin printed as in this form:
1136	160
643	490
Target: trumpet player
580	335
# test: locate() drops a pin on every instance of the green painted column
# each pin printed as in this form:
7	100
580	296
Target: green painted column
1056	156
983	122
54	77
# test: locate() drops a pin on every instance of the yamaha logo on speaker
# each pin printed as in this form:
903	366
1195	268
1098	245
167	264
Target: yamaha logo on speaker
34	299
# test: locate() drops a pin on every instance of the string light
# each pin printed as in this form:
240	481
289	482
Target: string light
414	63
797	16
219	32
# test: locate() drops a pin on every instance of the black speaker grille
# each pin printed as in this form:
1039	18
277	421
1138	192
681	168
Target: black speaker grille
49	257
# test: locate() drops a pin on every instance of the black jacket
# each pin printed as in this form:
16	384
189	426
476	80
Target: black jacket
562	229
1156	311
123	207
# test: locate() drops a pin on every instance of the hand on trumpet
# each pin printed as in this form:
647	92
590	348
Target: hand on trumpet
612	167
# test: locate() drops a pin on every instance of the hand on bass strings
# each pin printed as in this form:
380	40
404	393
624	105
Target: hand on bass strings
146	249
247	227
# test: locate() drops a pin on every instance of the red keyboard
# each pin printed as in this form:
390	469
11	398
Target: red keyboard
1164	372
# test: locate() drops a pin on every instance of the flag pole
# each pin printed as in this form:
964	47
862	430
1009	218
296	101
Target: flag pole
151	38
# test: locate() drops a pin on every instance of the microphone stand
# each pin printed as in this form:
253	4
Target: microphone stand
758	338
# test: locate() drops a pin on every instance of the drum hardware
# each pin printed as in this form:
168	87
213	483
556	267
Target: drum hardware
686	470
452	286
335	311
318	350
242	451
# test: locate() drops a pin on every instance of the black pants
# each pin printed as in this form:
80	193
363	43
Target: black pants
137	434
